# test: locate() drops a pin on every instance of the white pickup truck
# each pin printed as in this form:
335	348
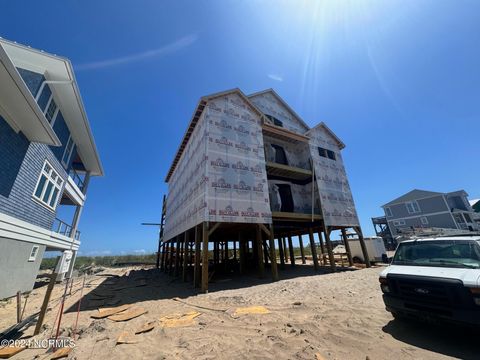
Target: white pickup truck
435	278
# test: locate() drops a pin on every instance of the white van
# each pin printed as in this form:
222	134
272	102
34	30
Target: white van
435	278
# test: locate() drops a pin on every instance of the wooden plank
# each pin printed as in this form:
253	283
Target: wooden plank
259	243
264	229
128	314
205	257
290	248
8	351
61	353
106	312
213	228
177	256
273	255
46	299
280	215
313	249
302	250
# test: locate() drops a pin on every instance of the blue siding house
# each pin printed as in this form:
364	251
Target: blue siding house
47	157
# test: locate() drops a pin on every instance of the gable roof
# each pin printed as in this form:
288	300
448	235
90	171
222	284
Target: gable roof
59	75
202	103
283	102
327	129
415	194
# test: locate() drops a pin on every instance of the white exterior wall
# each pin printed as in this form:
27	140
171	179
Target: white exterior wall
269	104
187	186
237	189
336	197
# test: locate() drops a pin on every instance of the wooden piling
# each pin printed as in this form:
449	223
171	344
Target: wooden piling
313	249
331	258
285	250
347	247
281	254
205	258
302	250
273	255
196	270
358	230
259	242
290	248
185	255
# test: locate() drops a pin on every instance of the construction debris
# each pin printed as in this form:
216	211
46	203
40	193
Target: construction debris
178	320
148	326
251	310
61	353
8	351
128	314
106	312
126	338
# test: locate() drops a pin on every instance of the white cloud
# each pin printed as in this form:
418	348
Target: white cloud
275	77
162	51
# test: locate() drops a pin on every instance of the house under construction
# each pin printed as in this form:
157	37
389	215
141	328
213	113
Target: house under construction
248	176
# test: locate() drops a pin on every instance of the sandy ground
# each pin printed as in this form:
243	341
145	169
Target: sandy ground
326	316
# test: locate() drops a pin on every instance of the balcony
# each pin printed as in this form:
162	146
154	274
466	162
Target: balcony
74	190
62	228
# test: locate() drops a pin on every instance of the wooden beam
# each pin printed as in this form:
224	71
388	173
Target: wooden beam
265	251
358	230
273	255
213	228
196	270
314	249
265	230
280	215
170	264
205	258
331	258
302	250
185	255
290	248
347	247
258	244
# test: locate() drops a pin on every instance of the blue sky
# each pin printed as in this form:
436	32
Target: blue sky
397	81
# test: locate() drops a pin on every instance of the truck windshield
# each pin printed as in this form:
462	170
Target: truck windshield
446	253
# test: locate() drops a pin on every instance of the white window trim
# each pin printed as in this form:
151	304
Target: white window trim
34	257
413	202
399	223
387	211
424	220
55	185
39	93
65	163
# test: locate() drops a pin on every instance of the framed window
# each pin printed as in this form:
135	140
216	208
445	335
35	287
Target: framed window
424	220
274	120
33	253
67	154
51	112
48	187
331	155
412	207
399	223
388	212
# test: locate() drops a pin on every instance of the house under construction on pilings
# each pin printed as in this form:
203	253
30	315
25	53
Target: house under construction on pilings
249	174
